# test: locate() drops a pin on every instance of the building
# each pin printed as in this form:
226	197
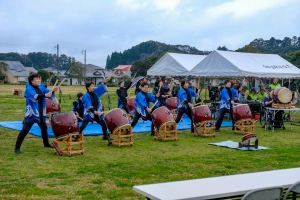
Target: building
122	70
15	72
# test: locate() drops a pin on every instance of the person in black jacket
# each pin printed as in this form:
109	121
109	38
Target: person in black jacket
122	95
78	108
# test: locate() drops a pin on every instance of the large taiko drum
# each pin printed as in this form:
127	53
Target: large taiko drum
52	105
242	111
171	103
249	137
17	92
282	95
130	105
201	113
161	116
115	119
64	123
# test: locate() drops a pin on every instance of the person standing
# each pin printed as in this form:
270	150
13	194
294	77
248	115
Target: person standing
226	104
275	84
142	101
78	107
185	101
93	106
35	95
122	95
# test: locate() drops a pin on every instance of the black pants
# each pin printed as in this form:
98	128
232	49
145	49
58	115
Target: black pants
189	114
25	130
222	112
100	122
137	117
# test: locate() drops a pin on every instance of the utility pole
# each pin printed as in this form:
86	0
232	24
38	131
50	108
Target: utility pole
57	58
84	53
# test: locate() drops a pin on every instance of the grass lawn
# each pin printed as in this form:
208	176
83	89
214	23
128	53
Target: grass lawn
110	172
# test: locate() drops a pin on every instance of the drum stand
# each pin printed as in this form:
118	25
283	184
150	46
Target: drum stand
249	144
205	128
242	126
123	136
167	131
69	140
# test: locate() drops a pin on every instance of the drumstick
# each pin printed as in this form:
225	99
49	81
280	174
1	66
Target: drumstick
54	84
62	82
154	104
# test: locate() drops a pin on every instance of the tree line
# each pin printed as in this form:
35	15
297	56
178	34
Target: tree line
39	60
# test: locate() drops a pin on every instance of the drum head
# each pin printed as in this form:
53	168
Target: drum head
284	95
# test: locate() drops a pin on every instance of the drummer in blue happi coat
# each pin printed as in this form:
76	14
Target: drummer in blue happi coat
228	96
93	106
35	95
185	101
142	109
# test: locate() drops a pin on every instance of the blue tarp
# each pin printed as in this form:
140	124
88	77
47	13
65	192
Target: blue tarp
95	129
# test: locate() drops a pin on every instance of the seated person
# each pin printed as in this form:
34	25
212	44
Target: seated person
252	96
262	94
242	96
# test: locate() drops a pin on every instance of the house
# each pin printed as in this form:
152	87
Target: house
93	73
30	70
16	72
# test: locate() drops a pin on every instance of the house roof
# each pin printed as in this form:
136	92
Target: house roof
30	69
16	68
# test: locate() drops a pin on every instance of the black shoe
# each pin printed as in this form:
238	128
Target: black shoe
17	151
48	146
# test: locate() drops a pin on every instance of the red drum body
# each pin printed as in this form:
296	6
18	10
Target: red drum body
64	123
116	118
52	105
201	113
130	105
161	115
242	111
171	103
282	95
249	137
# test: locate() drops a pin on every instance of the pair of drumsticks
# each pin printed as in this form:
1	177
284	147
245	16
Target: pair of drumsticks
59	83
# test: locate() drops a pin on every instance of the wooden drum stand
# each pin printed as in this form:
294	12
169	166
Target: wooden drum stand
69	140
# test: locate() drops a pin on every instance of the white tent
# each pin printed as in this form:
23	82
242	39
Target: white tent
175	64
230	64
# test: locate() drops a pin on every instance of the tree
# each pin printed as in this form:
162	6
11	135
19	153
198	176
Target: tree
142	66
3	68
77	70
222	48
248	49
44	75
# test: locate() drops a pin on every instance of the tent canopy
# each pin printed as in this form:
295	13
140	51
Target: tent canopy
230	64
174	64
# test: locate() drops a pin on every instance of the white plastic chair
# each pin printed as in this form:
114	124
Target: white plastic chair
295	188
268	193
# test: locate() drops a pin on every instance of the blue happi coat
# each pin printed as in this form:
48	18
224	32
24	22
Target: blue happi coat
225	99
87	103
32	113
141	103
182	98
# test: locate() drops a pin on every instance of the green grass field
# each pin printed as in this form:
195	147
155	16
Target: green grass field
110	172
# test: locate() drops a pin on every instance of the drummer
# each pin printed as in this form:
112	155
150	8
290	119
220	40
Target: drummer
185	101
142	100
242	96
122	95
159	90
35	95
226	104
78	107
275	84
93	106
137	87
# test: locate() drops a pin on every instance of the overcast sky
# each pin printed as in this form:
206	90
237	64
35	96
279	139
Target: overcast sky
103	26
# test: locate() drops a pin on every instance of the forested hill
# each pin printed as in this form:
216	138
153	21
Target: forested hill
276	46
147	49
